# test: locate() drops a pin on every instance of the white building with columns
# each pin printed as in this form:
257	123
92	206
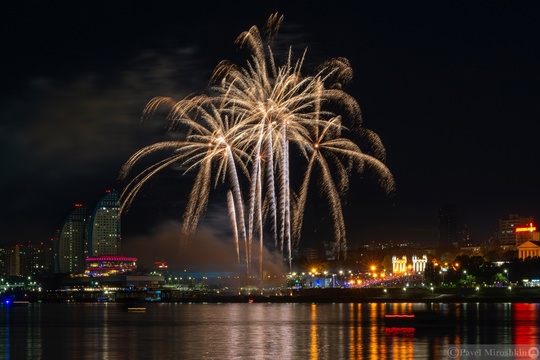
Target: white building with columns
401	265
419	264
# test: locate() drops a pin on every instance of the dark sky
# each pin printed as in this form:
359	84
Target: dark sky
451	87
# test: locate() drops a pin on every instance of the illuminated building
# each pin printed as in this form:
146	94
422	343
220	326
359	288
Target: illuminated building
10	260
70	249
526	233
108	265
26	259
507	229
453	227
400	266
529	249
36	258
160	266
104	226
419	263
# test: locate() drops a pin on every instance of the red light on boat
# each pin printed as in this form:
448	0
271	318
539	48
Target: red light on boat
399	316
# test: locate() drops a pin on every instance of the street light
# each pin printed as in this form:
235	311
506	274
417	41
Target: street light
442	272
507	275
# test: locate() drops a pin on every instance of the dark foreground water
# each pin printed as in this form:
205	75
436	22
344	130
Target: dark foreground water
261	331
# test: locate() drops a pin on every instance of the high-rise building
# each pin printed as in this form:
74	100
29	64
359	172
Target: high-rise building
70	252
507	228
453	226
36	258
104	227
10	260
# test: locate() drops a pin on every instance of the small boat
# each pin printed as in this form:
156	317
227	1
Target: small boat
18	303
21	303
399	320
417	320
135	309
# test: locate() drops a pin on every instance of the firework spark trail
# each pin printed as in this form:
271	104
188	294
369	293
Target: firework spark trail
259	219
271	189
207	146
197	201
284	190
255	217
328	145
133	187
213	139
237	193
234	221
255	191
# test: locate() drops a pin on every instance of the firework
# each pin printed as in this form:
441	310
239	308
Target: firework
208	148
259	114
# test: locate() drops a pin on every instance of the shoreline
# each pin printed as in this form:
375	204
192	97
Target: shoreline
381	295
318	295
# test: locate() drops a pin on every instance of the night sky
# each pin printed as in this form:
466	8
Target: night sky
451	87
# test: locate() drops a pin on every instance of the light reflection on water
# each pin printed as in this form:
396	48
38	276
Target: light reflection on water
255	331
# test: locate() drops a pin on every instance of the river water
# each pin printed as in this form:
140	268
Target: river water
259	330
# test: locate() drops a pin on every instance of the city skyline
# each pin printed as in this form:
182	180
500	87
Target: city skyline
453	102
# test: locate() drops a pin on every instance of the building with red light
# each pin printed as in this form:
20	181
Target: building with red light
507	229
526	233
70	248
104	226
85	235
527	241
